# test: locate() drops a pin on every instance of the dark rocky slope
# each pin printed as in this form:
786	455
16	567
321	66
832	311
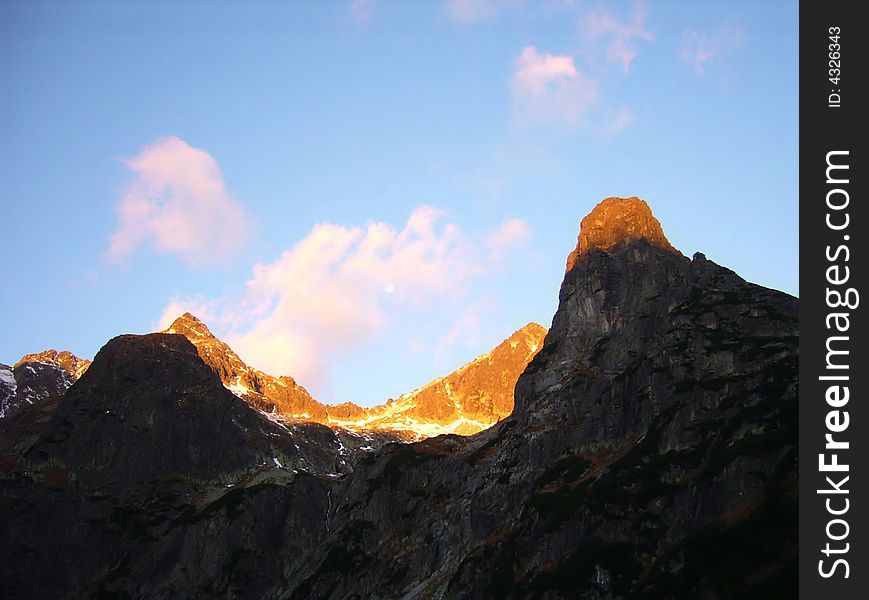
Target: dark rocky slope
651	453
136	478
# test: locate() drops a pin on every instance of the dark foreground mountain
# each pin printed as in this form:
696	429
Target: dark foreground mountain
651	453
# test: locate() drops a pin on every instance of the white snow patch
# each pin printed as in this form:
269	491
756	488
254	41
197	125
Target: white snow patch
8	378
238	388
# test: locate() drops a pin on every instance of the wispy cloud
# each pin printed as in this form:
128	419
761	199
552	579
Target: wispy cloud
549	88
699	48
469	12
511	234
361	10
339	287
619	36
177	203
619	120
464	329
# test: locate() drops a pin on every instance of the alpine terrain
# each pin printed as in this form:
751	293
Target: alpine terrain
647	450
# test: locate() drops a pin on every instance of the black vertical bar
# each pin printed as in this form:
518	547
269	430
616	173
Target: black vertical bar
833	223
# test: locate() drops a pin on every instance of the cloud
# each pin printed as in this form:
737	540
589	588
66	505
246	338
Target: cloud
619	121
463	329
361	10
511	234
338	287
177	203
549	89
619	36
469	12
701	48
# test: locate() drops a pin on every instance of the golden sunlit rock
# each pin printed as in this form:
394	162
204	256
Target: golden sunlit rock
614	221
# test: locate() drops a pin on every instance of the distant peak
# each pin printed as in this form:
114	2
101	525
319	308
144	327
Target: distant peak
533	329
188	325
614	221
64	359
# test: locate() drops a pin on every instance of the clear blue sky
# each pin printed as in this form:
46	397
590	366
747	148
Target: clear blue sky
241	126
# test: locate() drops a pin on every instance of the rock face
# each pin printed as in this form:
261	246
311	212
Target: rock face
651	453
38	378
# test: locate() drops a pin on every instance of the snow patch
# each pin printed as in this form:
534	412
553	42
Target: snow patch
7	378
238	388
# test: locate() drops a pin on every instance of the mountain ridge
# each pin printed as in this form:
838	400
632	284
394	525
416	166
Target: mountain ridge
492	378
488	391
651	453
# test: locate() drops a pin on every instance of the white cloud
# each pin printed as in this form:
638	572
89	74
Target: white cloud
549	89
702	48
177	203
338	288
618	35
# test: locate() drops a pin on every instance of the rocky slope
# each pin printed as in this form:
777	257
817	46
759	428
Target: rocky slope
123	478
651	453
281	395
36	378
470	399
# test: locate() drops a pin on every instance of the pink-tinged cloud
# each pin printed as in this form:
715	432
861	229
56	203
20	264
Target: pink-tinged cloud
550	89
619	36
699	49
361	10
463	330
512	234
177	203
469	12
619	120
338	287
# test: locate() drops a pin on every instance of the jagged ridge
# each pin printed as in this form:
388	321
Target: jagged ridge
470	399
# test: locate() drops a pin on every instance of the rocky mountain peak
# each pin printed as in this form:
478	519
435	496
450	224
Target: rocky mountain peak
64	359
190	327
615	221
38	378
532	333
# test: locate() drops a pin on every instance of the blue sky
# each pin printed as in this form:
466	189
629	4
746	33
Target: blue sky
365	195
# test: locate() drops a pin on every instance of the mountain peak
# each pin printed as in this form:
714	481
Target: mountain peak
189	326
64	359
614	221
